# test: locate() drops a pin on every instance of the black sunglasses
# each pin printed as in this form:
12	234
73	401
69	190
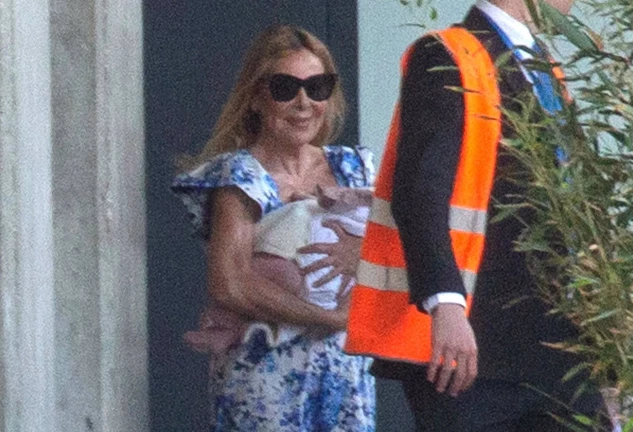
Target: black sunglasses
284	88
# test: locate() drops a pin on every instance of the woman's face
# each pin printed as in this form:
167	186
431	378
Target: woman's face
299	120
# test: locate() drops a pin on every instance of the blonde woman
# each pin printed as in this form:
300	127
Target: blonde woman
272	145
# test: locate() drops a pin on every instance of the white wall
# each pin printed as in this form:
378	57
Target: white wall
383	36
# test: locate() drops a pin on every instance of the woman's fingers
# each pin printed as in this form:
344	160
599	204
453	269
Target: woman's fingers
326	278
325	262
345	281
336	227
319	248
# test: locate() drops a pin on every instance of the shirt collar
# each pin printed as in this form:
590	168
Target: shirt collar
515	30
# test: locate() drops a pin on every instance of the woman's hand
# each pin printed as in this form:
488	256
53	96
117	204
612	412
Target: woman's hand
342	256
341	313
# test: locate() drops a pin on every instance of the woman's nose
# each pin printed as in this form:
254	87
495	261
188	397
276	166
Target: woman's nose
302	98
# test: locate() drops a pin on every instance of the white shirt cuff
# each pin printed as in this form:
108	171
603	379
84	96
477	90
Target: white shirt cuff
444	297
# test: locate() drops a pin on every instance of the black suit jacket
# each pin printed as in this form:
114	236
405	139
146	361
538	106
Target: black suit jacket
510	333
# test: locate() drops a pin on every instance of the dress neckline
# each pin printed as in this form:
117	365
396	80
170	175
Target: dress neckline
325	149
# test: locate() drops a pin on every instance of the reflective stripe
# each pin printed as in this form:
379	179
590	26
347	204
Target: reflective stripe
467	220
381	277
381	213
395	279
469	279
459	218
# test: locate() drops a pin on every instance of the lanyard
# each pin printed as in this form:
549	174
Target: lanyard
542	85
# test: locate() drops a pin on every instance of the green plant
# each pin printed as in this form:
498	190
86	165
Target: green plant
580	244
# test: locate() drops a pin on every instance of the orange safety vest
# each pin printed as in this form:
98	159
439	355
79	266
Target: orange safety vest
382	323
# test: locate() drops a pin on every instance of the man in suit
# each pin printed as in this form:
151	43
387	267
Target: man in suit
502	342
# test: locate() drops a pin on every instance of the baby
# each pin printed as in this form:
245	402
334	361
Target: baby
275	257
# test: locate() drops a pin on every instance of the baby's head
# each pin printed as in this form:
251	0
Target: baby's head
341	199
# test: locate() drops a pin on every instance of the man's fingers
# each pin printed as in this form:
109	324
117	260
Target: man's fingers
464	374
446	372
460	376
473	370
434	365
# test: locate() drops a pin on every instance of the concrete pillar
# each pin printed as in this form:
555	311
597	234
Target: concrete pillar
73	348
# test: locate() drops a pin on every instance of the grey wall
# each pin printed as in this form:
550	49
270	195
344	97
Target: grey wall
192	54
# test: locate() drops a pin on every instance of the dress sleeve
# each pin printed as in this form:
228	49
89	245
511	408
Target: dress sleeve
238	169
352	166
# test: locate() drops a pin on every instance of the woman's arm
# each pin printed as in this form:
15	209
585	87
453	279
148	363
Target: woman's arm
234	285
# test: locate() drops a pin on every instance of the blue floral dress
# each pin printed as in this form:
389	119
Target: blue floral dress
303	385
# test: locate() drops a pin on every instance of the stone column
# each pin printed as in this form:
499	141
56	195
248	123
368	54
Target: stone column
73	347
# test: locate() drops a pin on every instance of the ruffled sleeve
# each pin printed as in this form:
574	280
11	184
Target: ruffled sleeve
239	169
352	166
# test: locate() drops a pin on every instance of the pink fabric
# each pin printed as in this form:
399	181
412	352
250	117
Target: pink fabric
220	329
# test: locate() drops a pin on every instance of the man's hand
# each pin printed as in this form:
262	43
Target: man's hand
454	350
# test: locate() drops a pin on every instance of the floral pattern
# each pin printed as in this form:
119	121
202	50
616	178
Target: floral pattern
306	384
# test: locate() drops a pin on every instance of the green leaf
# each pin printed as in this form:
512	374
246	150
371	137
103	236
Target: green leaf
599	317
575	370
582	419
531	5
433	15
566	27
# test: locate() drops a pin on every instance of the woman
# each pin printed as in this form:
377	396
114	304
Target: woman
269	148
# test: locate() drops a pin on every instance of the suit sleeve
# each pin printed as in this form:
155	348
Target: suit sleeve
432	123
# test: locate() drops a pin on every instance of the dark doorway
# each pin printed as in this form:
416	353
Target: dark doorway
192	53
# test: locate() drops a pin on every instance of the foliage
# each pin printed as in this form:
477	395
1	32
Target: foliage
425	7
580	242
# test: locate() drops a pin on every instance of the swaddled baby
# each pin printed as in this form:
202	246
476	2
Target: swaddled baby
279	235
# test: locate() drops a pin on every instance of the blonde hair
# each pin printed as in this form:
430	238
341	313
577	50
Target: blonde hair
238	125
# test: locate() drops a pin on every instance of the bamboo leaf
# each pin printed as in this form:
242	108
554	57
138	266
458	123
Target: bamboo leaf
565	27
599	317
